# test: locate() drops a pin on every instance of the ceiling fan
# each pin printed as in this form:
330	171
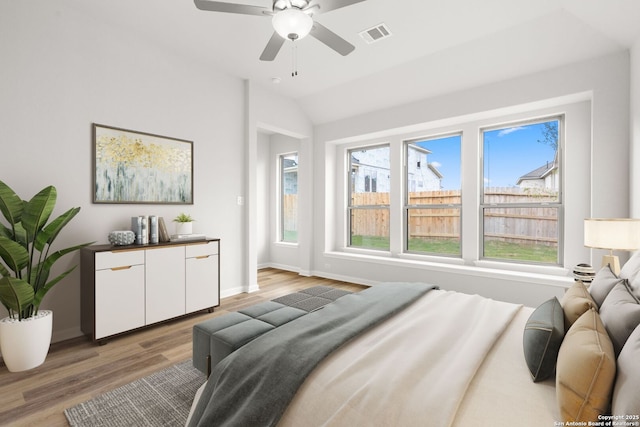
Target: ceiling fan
291	19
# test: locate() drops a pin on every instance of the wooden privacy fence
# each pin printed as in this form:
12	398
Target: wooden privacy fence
290	210
516	225
523	224
434	223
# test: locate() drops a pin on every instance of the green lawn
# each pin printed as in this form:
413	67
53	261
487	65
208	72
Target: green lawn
514	251
290	236
493	249
435	246
370	242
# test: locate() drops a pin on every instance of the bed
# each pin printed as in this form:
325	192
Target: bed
431	375
443	359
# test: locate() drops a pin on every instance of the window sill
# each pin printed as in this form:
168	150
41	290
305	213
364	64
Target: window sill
286	244
541	275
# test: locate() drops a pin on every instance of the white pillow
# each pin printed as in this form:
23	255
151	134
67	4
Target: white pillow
630	271
625	393
602	284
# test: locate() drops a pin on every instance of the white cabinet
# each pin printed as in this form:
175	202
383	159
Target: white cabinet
119	291
164	283
128	287
202	276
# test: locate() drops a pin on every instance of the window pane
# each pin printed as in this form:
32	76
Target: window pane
289	202
523	234
369	228
523	157
521	196
370	184
434	231
432	182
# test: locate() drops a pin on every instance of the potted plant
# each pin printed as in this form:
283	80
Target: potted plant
25	244
184	224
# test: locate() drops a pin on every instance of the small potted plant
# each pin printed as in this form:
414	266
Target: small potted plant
184	224
25	335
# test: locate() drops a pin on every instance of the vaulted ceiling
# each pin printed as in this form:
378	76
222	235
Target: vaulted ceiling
436	46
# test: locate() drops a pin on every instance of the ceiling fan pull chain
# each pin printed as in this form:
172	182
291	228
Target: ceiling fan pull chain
294	59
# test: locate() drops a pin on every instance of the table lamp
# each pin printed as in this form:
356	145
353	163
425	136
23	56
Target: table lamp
612	234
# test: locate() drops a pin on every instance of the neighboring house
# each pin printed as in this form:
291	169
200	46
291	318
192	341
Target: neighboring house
370	171
422	175
544	177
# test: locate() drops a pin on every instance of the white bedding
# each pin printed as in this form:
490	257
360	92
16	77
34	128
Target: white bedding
412	370
502	393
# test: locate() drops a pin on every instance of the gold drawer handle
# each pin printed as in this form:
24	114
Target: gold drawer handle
126	267
203	257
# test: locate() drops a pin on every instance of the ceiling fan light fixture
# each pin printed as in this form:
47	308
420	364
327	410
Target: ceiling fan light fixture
292	23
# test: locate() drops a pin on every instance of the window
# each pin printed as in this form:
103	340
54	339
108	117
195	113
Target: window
415	197
289	198
433	195
368	207
521	203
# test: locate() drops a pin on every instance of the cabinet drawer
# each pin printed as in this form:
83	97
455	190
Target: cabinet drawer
194	251
116	259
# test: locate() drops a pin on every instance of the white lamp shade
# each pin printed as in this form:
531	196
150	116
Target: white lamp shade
292	23
612	233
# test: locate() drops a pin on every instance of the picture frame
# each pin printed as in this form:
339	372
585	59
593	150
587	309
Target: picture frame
140	168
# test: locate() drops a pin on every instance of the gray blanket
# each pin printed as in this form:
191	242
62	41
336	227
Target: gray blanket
254	385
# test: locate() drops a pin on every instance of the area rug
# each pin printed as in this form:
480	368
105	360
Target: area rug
161	399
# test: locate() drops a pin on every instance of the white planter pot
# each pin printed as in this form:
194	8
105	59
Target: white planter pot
184	227
25	344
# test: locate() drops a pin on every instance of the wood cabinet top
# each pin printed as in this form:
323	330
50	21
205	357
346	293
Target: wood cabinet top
109	247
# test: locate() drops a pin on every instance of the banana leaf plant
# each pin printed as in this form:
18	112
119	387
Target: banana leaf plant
25	243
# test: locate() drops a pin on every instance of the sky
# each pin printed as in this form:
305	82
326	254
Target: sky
509	153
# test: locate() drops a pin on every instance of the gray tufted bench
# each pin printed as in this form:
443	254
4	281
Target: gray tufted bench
216	338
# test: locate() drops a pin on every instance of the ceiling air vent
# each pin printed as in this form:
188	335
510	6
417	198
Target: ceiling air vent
374	34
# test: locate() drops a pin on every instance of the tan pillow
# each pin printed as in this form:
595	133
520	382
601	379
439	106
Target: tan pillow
585	371
575	302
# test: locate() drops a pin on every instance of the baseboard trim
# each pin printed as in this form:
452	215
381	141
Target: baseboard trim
65	334
350	279
225	293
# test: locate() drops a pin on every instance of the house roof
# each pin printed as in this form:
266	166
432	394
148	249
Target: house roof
290	163
538	173
435	170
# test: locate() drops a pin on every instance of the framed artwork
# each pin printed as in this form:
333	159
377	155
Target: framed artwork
138	167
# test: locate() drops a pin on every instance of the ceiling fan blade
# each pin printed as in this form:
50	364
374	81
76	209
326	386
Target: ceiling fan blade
219	6
331	39
273	47
327	5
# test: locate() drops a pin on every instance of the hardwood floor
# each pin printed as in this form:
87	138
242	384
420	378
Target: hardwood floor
77	370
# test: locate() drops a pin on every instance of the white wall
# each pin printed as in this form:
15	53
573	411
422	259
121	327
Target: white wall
635	131
605	81
62	71
278	117
263	201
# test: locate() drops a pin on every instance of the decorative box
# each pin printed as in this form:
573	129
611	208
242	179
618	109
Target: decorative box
121	238
584	273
